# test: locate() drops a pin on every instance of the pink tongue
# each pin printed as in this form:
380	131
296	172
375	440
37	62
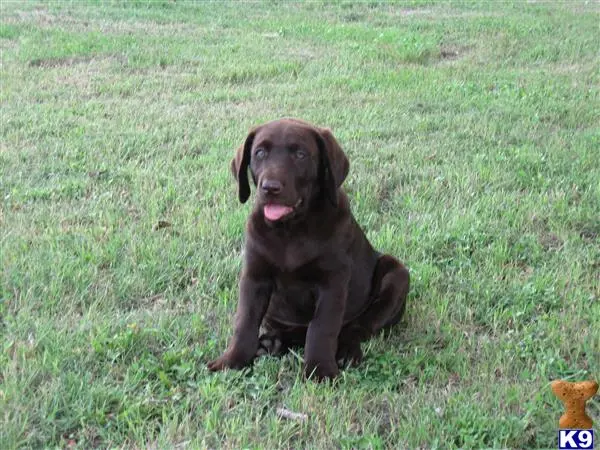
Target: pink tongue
276	212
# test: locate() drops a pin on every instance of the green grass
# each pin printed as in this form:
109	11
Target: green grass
472	131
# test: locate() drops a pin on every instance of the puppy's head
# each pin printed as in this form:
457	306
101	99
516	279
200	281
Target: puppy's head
292	163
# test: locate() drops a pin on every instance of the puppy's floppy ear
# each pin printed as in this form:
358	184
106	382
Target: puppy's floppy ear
334	164
239	166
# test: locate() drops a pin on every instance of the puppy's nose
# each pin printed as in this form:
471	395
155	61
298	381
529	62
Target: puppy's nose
272	187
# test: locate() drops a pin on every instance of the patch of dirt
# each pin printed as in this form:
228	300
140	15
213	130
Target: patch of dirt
589	234
90	62
589	231
449	53
75	76
353	17
550	241
546	238
59	62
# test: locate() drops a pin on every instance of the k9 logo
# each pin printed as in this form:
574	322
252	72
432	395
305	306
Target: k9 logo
575	439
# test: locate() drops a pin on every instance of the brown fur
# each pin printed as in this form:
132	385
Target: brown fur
310	278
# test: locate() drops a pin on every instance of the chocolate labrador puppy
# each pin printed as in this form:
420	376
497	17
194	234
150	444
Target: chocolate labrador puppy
310	276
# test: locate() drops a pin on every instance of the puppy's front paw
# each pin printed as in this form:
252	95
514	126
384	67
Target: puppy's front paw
321	370
227	361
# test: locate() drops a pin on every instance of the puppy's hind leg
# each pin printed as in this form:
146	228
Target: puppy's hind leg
276	341
391	282
269	344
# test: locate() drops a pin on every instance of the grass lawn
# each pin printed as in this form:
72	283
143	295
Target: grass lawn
473	134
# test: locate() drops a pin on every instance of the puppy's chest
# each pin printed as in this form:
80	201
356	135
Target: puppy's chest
289	257
293	299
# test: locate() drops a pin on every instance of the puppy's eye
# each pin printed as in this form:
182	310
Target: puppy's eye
260	153
300	154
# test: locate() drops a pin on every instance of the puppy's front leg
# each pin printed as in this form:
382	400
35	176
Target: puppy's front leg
323	331
255	292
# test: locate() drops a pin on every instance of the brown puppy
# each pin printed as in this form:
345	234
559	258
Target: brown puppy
310	275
